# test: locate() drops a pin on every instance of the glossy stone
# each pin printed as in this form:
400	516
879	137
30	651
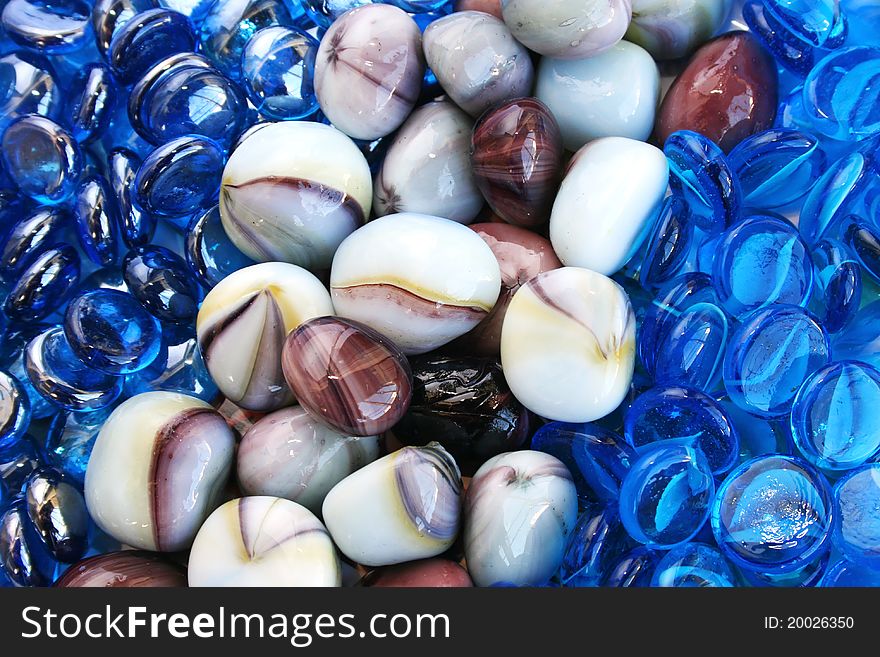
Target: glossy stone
516	154
263	541
44	285
145	39
424	573
49	26
670	29
595	222
69	441
31	87
477	60
159	279
24	559
58	512
292	191
136	225
242	325
519	511
613	94
15	410
838	279
291	455
128	569
857	503
405	506
92	101
788	49
412	289
96	217
347	375
668	244
596	540
773	515
171	455
434	141
727	92
209	252
693	565
31	234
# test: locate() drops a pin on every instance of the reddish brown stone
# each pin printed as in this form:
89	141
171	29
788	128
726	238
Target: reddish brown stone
426	573
729	91
487	6
127	569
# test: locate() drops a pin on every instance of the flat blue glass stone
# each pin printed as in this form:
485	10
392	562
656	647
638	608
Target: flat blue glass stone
41	158
91	103
44	285
209	252
137	227
808	576
41	408
109	16
857	505
860	340
17	461
48	26
58	375
690	417
597	458
180	177
847	574
97	220
864	242
668	244
700	174
146	39
666	495
106	278
838	278
761	261
23	556
841	93
161	281
817	22
633	569
770	355
121	135
773	515
324	12
692	348
790	113
759	436
195	10
793	53
30	236
112	332
776	167
229	25
15	410
28	86
593	546
70	439
693	565
57	509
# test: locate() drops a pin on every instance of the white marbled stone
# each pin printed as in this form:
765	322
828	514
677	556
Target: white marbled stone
606	203
614	94
568	345
263	541
669	29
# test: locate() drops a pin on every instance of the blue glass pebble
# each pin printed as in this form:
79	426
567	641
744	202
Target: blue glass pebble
597	458
15	410
419	7
773	514
700	174
97	220
44	285
91	104
160	280
758	436
324	12
690	417
195	10
790	113
33	234
106	278
847	574
861	339
809	575
23	556
593	545
136	226
112	332
121	135
693	565
48	26
838	279
58	375
41	158
817	22
666	495
857	527
668	244
793	53
770	355
278	69
146	39
634	569
209	252
70	439
41	408
864	242
692	349
57	510
29	87
109	16
17	461
180	177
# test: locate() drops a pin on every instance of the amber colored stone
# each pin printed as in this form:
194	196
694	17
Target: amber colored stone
516	154
347	375
727	92
127	569
425	573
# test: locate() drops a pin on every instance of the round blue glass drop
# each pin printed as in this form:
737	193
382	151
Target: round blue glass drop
147	38
24	558
29	86
48	26
793	53
57	510
692	348
44	285
109	16
693	565
112	332
864	242
15	410
97	220
30	236
669	243
633	569
209	252
857	527
91	104
161	281
136	225
594	543
820	23
844	573
838	277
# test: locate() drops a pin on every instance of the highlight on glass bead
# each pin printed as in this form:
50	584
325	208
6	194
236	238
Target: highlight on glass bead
857	505
596	540
46	283
31	87
146	38
92	101
96	216
15	410
838	278
668	245
48	26
693	565
161	281
818	22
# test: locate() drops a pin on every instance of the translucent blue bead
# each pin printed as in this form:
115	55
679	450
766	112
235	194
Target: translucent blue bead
419	7
692	349
840	93
57	509
847	574
180	177
757	435
700	174
790	114
17	461
668	244
136	226
25	559
48	26
857	527
146	39
41	158
593	545
161	281
597	458
91	103
112	332
776	167
666	495
29	87
773	515
324	12
15	410
634	569
209	252
70	439
860	340
195	10
817	22
58	375
30	236
693	565
40	407
807	576
770	355
864	243
793	53
107	278
838	278
278	69
661	415
97	220
121	135
109	16
44	285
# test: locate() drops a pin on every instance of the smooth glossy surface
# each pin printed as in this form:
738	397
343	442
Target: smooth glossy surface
146	38
693	565
815	21
58	512
128	569
838	278
788	49
668	243
25	560
93	99
96	217
15	410
136	225
44	285
159	279
857	504
669	29
864	242
69	441
49	26
596	540
209	252
30	87
433	573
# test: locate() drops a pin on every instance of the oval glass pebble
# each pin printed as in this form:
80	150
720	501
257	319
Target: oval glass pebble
668	244
595	541
838	278
69	441
58	512
209	252
32	235
24	558
857	503
788	49
160	280
44	285
633	569
29	87
97	220
136	225
817	22
864	242
145	39
91	103
15	410
49	26
108	16
847	574
693	565
692	349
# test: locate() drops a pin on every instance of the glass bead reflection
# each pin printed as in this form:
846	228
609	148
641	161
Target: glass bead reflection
91	103
864	242
160	280
838	278
818	22
793	53
44	285
669	243
147	38
857	502
693	565
593	545
109	16
30	236
209	252
29	87
15	410
137	226
49	26
69	441
97	220
24	558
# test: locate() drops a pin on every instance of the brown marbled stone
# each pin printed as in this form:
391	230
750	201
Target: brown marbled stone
425	573
127	569
516	154
727	92
347	375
